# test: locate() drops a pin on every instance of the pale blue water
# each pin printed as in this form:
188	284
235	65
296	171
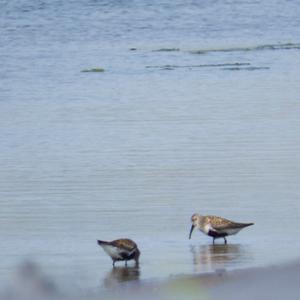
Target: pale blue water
135	150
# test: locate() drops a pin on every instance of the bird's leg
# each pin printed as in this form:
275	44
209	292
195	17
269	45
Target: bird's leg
225	241
125	263
114	263
213	241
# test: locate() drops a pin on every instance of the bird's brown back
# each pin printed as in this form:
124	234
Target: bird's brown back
219	222
125	244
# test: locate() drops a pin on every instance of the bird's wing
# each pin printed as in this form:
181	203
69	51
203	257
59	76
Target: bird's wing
125	245
219	224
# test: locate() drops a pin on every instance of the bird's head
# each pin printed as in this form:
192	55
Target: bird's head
195	219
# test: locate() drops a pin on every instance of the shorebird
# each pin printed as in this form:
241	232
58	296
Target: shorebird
121	249
216	227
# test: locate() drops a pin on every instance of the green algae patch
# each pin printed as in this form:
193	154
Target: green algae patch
93	70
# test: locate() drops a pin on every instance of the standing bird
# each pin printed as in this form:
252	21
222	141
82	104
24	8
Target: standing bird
216	227
122	249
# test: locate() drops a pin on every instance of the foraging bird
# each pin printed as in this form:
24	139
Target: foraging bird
216	227
121	249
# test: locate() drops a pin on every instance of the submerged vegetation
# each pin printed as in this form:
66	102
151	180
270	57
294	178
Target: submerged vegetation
167	50
231	66
280	46
93	70
242	48
202	66
246	68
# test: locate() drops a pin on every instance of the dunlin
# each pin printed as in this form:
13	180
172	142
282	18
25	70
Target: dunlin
122	249
216	227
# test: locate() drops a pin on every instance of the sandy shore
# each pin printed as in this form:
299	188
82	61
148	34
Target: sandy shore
277	282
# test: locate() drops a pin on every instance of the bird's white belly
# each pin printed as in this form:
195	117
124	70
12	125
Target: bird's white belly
206	228
112	251
232	231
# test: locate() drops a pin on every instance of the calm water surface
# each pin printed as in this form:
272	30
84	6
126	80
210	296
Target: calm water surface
212	127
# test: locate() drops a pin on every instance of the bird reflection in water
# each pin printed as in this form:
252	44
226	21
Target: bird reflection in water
122	274
208	258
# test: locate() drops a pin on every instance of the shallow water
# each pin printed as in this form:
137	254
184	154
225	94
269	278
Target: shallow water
135	150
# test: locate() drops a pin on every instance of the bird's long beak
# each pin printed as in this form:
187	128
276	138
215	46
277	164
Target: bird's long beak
191	231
